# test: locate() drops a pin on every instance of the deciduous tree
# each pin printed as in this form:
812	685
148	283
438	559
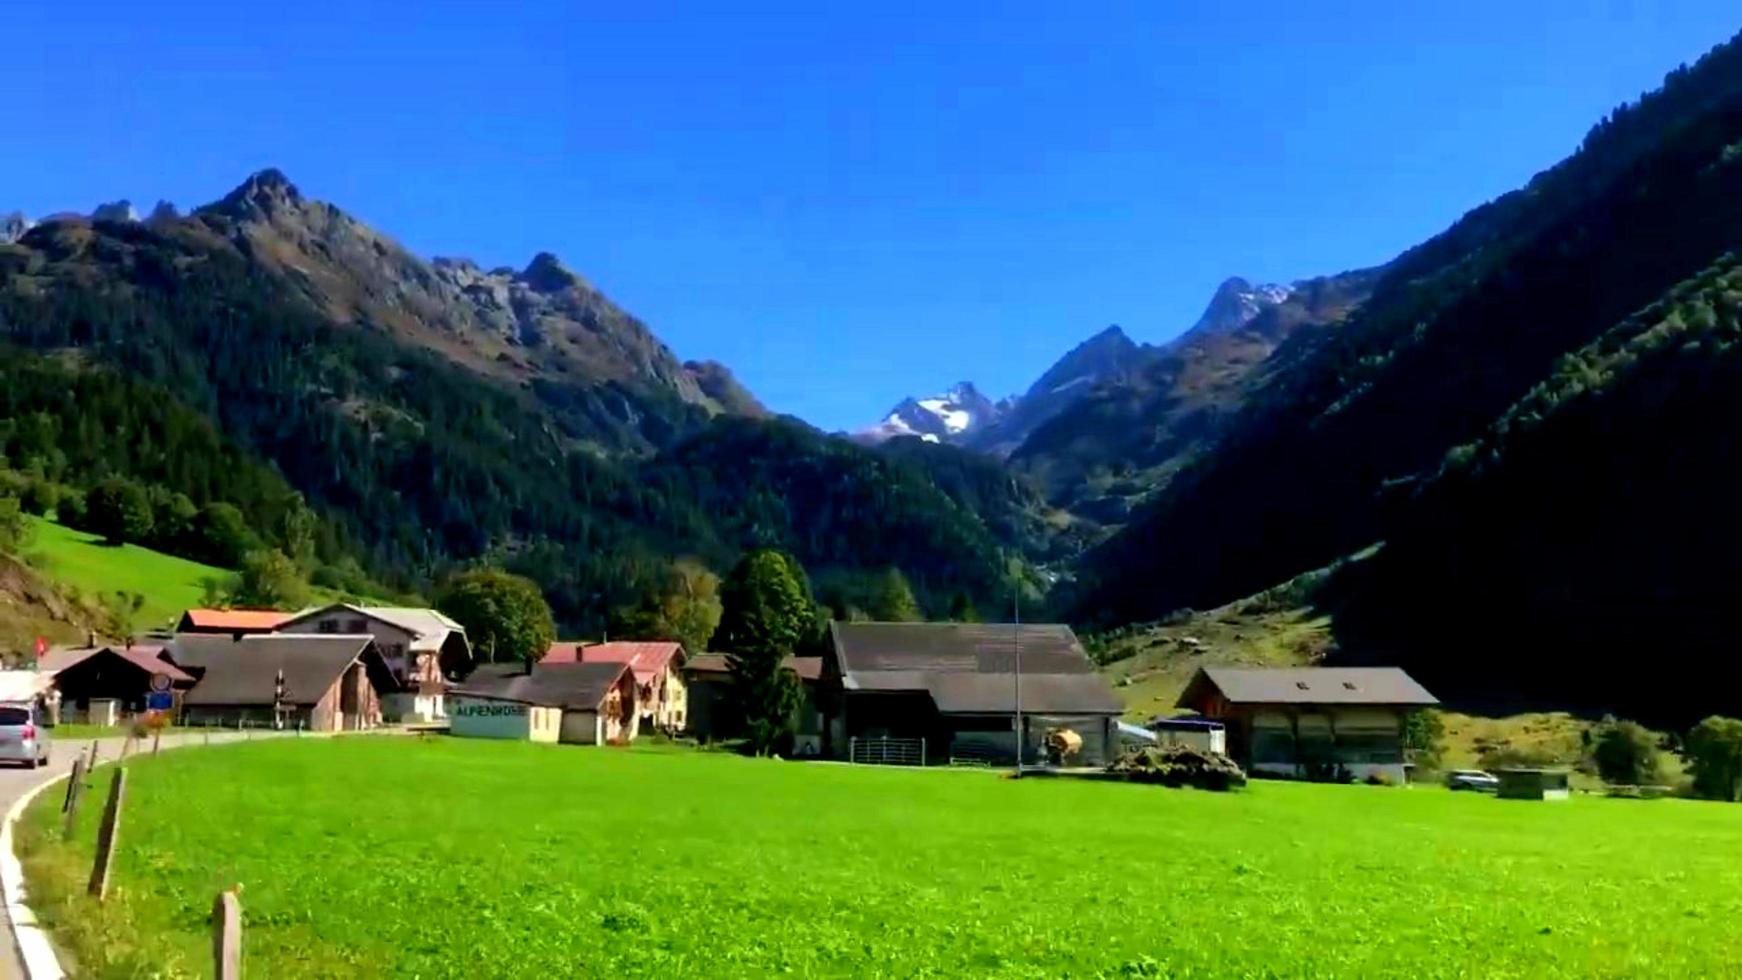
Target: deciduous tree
505	616
118	510
1625	753
1714	752
270	580
684	607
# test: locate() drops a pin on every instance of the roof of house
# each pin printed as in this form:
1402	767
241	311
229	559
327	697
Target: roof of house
807	668
970	668
264	620
146	658
429	628
245	671
646	657
581	685
1045	648
1307	685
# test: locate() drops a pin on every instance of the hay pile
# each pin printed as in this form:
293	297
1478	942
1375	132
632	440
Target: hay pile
1179	765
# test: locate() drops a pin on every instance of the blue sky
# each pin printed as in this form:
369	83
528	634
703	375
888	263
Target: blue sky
845	203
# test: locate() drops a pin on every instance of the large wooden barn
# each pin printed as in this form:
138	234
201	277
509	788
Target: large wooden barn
330	683
954	690
1312	722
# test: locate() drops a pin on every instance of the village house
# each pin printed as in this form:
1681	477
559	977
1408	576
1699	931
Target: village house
422	647
713	715
662	698
103	684
323	683
585	703
936	692
1311	722
235	623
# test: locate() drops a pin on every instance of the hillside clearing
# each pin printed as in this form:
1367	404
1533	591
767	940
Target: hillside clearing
81	561
554	860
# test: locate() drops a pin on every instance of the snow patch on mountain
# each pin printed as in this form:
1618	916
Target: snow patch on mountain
947	417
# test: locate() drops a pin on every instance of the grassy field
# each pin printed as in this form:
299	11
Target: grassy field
445	858
81	561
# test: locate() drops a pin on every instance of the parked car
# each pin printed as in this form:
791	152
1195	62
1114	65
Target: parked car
23	736
1472	779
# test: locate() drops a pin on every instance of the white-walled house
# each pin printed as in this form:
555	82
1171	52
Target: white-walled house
583	703
422	647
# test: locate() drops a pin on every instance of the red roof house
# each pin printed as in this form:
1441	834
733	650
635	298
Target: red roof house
657	666
239	622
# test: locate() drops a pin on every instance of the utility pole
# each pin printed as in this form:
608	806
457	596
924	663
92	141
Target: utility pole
1016	658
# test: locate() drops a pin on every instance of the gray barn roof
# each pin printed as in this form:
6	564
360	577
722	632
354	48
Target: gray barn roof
581	686
245	671
969	668
1308	685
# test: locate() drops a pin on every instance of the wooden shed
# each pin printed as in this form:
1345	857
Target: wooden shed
1532	784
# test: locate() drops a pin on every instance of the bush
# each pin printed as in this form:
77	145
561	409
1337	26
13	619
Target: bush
39	497
1179	765
15	527
1625	753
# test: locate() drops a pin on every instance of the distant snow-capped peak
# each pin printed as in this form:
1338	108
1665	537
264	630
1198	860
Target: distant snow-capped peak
946	417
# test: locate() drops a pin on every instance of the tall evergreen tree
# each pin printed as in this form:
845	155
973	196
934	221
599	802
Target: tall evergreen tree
894	601
765	615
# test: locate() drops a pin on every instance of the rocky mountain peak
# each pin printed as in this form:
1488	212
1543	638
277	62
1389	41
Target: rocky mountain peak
1235	302
547	274
263	194
121	210
13	226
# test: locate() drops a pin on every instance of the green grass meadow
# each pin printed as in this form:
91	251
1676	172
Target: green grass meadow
84	562
436	857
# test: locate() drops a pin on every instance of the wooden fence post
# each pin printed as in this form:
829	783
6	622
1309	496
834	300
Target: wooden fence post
156	736
75	793
227	936
77	778
92	765
126	743
106	836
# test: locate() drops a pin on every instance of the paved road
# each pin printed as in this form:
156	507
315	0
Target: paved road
15	782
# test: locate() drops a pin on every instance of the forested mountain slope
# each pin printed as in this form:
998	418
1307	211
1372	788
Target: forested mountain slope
340	379
1588	546
1455	332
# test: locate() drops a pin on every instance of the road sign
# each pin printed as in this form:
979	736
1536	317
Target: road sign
160	682
159	701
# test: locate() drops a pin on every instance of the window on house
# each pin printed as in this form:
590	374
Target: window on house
356	626
329	626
